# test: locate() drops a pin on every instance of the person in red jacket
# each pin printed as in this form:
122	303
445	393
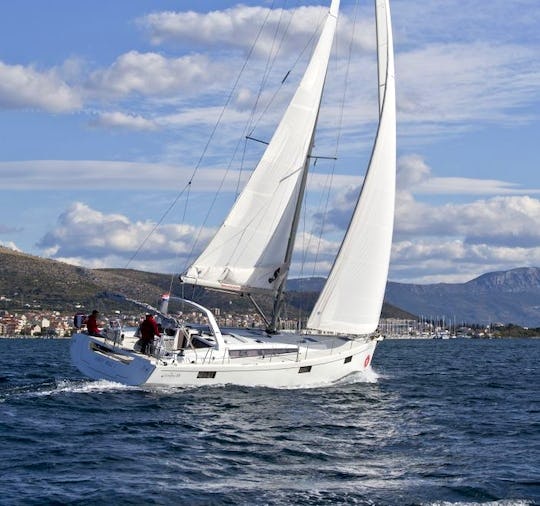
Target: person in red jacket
92	325
148	329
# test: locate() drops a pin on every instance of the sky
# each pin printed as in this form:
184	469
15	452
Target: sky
123	124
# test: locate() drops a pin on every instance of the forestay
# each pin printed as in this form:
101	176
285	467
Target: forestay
352	298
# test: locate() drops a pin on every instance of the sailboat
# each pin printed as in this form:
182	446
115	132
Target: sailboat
251	254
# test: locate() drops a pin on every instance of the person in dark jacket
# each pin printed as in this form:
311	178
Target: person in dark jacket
92	324
148	329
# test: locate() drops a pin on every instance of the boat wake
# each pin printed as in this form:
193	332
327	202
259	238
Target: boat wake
67	386
59	387
85	386
368	375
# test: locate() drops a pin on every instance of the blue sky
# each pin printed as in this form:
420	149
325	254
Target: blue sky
106	109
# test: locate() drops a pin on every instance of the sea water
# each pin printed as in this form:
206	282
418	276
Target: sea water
435	422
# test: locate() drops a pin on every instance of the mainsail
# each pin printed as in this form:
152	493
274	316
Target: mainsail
251	251
352	297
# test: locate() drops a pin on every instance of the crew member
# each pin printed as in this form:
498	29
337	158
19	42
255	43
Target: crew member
148	330
92	325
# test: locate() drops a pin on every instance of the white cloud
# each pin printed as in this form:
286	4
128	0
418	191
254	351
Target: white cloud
10	245
511	214
441	86
412	171
236	27
85	236
107	174
415	176
436	260
424	259
27	88
148	74
501	220
446	85
459	85
122	120
457	241
471	186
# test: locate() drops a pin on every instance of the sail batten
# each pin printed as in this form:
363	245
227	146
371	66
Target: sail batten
251	250
352	297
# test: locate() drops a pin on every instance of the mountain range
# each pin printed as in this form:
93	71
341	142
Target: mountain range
28	281
511	296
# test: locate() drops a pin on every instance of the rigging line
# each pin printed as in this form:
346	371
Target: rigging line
173	277
300	56
245	138
272	55
250	138
265	73
239	178
270	62
229	98
216	195
203	154
218	122
156	225
272	58
312	235
339	131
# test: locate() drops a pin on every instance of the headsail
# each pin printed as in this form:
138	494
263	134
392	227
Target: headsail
251	250
352	298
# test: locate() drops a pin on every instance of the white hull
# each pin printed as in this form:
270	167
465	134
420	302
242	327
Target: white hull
321	361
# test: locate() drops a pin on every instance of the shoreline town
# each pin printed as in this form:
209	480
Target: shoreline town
54	325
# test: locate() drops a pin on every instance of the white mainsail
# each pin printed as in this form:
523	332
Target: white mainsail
251	250
352	297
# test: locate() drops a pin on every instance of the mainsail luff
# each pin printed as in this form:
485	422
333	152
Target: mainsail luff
249	253
278	299
352	297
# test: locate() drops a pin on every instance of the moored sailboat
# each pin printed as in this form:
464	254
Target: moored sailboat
251	254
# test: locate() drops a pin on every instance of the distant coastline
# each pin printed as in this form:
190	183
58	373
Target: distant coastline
33	284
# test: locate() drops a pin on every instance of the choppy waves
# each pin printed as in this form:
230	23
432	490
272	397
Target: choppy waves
434	423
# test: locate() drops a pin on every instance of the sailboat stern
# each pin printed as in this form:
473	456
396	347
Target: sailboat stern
97	359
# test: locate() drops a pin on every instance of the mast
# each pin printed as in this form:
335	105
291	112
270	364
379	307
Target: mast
278	299
252	250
